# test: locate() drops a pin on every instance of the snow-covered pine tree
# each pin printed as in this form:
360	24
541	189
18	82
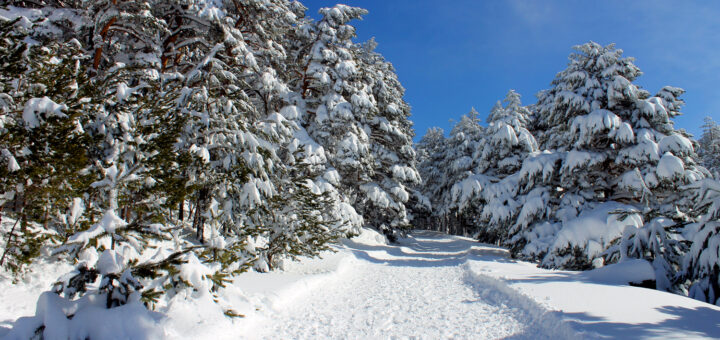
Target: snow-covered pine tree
122	32
505	145
656	185
384	198
309	224
582	117
578	123
164	106
187	102
133	131
462	185
430	154
612	147
335	99
337	90
701	267
251	187
709	151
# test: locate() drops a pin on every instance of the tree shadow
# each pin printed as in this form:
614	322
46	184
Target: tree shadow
5	327
694	322
680	321
584	277
428	249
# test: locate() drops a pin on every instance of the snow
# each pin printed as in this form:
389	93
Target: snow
675	144
44	107
634	270
12	162
76	210
377	195
624	134
110	261
429	286
593	230
130	321
600	305
463	191
19	298
539	164
593	123
290	112
109	223
505	134
632	180
670	167
581	159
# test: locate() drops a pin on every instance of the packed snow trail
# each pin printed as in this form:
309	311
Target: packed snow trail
422	289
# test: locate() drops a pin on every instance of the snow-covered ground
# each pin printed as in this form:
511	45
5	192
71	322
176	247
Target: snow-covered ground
431	286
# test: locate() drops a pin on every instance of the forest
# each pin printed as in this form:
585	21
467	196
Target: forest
160	146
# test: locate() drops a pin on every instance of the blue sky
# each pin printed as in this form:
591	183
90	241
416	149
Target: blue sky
454	55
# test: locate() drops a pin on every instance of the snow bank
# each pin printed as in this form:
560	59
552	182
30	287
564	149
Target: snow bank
87	318
630	271
599	304
542	323
368	236
547	304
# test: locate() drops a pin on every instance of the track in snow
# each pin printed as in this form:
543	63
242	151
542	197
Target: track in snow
421	289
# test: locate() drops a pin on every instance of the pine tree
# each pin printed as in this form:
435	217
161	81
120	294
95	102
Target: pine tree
306	227
393	171
700	265
43	144
709	151
350	94
506	144
336	99
430	152
610	142
462	183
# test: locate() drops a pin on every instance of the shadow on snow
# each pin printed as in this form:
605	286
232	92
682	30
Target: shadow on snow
428	249
432	249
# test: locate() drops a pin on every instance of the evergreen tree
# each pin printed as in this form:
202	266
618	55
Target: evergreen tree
506	144
387	193
332	101
610	141
709	151
462	183
430	153
353	108
42	144
163	104
701	266
335	99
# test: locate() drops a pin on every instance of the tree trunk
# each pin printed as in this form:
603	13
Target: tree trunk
199	218
181	212
7	243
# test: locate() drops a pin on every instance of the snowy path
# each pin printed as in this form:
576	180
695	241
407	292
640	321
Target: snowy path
421	290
